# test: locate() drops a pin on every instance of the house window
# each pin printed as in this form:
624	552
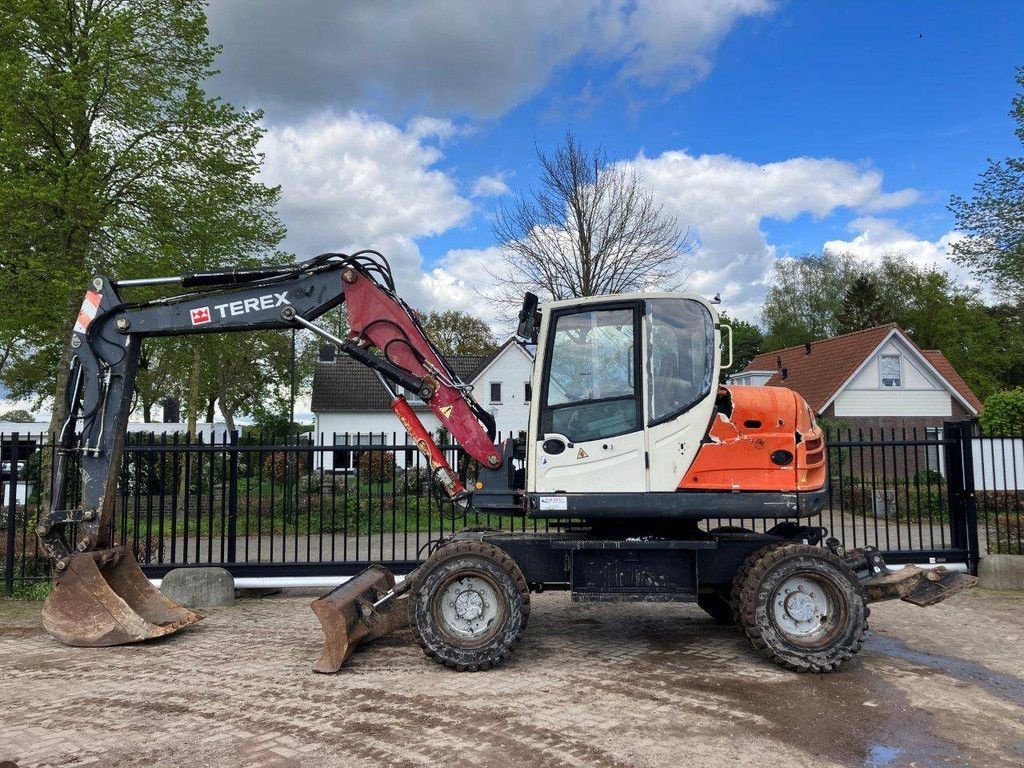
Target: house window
527	392
933	452
495	391
341	455
889	366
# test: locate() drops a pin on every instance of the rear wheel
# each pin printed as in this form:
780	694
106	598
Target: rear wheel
801	606
469	606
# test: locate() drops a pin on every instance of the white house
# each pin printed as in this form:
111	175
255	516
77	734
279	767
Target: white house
351	408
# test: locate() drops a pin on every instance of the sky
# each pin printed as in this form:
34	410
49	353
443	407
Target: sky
769	129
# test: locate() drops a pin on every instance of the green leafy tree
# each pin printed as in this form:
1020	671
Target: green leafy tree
747	343
993	218
113	160
458	333
18	416
1003	413
804	298
861	306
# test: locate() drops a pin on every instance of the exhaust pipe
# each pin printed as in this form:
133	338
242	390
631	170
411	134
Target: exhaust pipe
103	598
364	608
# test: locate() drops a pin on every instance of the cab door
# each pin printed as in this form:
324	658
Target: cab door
590	436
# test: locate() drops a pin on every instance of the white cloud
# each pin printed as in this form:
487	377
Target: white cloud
478	57
725	200
875	238
357	181
490	186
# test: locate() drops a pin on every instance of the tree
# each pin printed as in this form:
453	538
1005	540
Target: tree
804	298
993	219
590	227
18	416
861	307
458	333
747	343
1003	413
113	160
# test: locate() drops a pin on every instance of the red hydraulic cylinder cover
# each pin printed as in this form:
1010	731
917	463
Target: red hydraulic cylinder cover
378	318
439	465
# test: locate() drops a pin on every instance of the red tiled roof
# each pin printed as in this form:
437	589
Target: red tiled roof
819	373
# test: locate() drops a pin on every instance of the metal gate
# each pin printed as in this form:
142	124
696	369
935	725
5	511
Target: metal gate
303	508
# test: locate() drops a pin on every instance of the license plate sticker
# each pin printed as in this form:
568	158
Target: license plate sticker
554	503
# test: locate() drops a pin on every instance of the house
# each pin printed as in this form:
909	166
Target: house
874	379
352	408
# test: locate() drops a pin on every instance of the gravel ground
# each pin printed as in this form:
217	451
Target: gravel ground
591	685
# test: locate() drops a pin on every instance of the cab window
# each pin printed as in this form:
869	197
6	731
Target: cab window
680	342
592	375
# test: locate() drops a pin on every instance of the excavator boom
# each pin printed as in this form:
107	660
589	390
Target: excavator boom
101	596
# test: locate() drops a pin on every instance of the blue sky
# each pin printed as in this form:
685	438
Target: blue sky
771	128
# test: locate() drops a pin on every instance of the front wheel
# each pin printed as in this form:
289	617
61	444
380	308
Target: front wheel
469	606
801	606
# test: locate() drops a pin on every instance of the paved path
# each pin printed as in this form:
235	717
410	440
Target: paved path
591	685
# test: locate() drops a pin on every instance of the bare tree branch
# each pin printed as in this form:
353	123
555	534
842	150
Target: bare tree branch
589	227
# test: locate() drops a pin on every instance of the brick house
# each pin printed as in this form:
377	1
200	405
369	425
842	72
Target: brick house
875	379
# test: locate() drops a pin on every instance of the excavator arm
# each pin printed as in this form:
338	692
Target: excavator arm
95	580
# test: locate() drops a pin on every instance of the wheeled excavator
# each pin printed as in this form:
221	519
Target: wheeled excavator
632	448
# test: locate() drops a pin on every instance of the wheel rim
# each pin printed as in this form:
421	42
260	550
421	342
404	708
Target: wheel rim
807	610
469	608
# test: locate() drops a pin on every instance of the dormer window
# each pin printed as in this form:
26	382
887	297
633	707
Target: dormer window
891	371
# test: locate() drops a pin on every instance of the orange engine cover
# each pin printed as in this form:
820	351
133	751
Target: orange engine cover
760	439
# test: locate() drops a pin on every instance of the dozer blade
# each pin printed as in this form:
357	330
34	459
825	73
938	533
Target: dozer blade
920	586
348	617
103	598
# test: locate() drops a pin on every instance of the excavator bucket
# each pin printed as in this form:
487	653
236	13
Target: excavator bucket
103	598
348	615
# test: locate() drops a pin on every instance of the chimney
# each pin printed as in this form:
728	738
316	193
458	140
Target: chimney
778	361
807	347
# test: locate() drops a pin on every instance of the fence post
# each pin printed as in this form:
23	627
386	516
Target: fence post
12	524
970	501
233	497
953	455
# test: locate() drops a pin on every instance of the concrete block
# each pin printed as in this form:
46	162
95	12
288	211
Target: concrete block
1004	572
199	587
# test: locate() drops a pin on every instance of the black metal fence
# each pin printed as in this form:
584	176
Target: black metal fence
299	506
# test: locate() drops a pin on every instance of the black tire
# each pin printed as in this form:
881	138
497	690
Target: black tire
717	605
488	606
800	606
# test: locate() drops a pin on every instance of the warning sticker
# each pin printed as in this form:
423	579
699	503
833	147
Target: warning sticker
582	455
446	411
554	503
88	311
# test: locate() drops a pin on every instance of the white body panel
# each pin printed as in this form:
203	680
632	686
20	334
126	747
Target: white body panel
595	466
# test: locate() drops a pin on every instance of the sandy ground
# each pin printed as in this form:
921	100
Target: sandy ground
591	685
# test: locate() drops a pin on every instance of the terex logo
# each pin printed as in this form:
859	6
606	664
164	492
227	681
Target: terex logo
200	315
255	304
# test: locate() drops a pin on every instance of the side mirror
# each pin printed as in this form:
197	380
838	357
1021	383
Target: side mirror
529	318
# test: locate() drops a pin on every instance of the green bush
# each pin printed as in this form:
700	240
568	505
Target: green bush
1003	413
376	466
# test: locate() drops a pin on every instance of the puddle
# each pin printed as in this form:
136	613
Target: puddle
880	756
1006	687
